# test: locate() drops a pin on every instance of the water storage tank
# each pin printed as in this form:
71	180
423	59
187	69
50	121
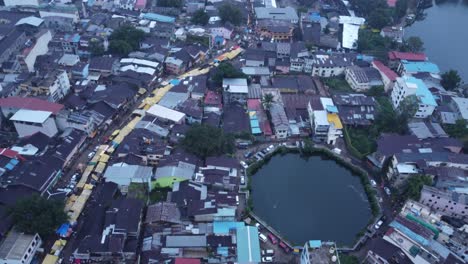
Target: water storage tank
333	259
332	250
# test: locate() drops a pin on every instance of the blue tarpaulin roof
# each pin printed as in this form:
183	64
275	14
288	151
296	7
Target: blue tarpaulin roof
223	251
159	18
174	81
409	233
256	130
332	109
315	243
63	230
254	123
248	245
224	227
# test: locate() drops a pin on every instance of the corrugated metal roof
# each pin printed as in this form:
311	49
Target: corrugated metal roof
31	116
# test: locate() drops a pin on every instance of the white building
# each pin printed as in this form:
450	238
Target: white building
40	47
28	122
123	174
165	113
406	86
19	248
280	121
460	106
362	79
329	65
283	13
325	122
351	25
235	90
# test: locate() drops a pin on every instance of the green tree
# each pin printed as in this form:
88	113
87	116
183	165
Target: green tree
374	44
413	44
348	259
230	13
96	47
408	107
457	130
450	80
267	100
400	8
366	7
388	120
414	186
379	18
226	70
36	214
120	47
200	17
205	141
125	40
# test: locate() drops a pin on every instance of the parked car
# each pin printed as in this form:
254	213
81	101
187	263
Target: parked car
261	154
266	252
74	177
242	179
267	259
91	154
244	165
270	148
387	191
284	247
262	237
272	238
378	225
248	154
258	226
373	183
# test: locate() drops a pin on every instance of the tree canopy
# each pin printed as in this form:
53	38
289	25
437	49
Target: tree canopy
125	40
205	141
96	47
226	70
230	13
413	44
36	214
388	120
200	17
379	18
374	44
414	186
450	79
267	100
457	130
400	8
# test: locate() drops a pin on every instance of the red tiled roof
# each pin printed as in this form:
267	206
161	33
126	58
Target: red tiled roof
391	3
396	55
385	70
10	154
212	98
30	104
187	261
253	104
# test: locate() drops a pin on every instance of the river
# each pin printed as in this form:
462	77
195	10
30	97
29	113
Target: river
310	198
445	35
